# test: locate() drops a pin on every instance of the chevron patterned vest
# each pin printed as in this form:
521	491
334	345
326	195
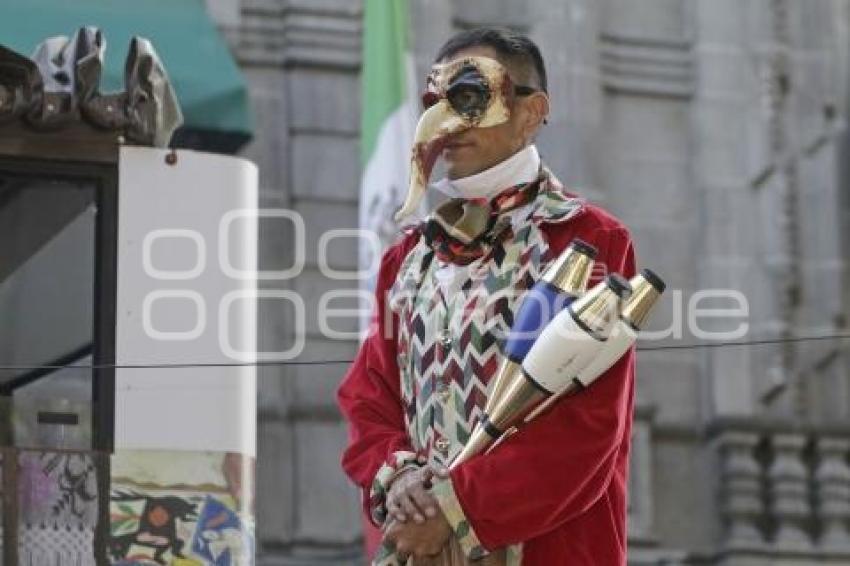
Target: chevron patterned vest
449	347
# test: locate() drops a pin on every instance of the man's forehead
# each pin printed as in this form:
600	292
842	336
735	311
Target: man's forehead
489	66
474	51
482	53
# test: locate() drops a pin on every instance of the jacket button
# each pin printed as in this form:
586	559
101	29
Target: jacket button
445	337
445	394
442	444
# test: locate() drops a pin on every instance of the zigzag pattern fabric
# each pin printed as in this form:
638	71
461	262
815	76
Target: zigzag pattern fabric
450	346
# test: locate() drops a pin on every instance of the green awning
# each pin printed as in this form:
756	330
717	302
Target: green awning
209	85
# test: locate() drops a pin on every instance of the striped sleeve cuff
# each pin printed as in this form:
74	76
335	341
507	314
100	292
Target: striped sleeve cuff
397	463
447	498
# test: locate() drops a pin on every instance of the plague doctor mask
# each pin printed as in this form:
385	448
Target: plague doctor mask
471	92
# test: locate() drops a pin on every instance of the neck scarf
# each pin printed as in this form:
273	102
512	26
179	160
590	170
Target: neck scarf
463	230
521	167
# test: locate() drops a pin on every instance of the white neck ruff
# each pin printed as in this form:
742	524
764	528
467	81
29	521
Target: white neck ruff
521	167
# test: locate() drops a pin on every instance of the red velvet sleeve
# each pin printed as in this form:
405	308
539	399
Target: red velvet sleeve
559	465
369	395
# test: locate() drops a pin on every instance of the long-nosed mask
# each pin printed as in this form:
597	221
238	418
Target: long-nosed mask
470	92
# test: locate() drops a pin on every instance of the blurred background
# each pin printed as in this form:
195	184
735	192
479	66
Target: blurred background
715	129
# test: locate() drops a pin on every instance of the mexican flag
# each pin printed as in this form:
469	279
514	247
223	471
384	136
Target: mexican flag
388	123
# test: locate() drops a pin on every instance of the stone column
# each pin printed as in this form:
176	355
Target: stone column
742	505
789	497
725	157
832	493
640	477
568	35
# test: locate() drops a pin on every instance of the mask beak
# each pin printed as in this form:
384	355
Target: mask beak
432	133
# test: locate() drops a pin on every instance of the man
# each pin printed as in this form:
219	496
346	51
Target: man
554	493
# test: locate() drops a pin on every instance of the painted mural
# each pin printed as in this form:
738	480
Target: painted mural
181	509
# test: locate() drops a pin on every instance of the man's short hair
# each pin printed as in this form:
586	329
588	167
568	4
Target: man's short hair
513	49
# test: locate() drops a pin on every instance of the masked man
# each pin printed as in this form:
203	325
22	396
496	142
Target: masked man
555	493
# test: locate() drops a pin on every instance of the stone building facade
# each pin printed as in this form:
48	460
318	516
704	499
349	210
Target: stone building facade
714	129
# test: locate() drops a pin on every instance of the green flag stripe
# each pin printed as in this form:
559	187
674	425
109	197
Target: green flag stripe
385	28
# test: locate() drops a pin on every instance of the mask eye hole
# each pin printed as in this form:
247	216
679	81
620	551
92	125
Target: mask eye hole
468	92
429	99
468	98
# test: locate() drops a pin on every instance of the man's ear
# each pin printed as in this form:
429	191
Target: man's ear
536	111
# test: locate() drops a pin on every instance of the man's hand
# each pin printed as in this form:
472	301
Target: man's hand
419	540
408	497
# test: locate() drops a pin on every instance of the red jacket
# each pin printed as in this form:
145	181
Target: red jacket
559	486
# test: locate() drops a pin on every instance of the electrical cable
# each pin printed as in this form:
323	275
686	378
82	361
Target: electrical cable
267	363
